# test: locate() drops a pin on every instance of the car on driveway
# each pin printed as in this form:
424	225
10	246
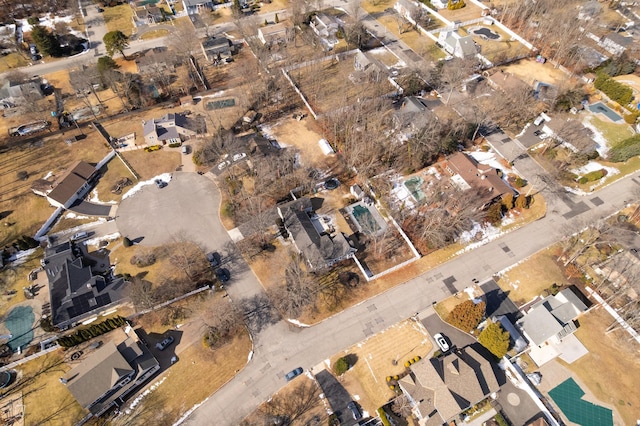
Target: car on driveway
355	410
223	165
442	343
214	259
161	346
293	374
223	275
239	156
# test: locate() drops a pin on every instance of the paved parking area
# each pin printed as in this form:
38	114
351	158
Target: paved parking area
186	209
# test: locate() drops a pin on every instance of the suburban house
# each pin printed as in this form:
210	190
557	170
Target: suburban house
14	93
74	184
439	389
615	43
366	68
112	373
413	114
197	6
326	27
455	44
80	283
148	14
551	319
157	59
8	40
215	48
85	78
467	173
320	244
171	128
273	34
261	146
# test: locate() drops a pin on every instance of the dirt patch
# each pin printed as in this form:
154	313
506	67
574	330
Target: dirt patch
608	368
384	355
528	70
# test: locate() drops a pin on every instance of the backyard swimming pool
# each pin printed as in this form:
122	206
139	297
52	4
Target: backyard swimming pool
367	219
601	108
413	185
485	33
20	324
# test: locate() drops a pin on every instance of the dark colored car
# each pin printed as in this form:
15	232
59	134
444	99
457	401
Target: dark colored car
214	259
223	275
165	343
160	183
293	374
355	410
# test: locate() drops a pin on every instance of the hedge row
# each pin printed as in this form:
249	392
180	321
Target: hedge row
615	91
94	330
626	149
593	176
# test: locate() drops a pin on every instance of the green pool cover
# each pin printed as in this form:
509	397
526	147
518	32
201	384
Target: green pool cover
568	396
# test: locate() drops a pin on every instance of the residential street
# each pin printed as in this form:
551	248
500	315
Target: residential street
280	347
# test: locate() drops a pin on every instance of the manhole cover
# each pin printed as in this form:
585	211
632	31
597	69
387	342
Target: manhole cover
513	399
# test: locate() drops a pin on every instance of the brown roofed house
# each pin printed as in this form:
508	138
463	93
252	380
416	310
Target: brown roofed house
467	173
73	184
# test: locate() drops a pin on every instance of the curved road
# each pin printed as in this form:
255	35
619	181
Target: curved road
280	348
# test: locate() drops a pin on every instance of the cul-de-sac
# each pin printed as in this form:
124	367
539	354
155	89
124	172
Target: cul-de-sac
319	212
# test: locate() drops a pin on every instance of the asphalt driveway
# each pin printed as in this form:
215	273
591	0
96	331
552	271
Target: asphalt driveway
434	325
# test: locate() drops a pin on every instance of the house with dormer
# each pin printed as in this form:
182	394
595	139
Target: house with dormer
467	173
440	388
169	129
112	373
321	246
80	283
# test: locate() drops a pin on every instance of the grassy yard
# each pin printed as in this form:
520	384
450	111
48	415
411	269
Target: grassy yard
612	132
611	367
376	6
150	164
12	60
114	171
119	18
22	209
154	34
46	400
444	307
380	356
529	278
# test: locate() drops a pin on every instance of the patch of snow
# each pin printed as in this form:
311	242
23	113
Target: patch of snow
137	187
524	130
598	137
20	257
72	215
592	166
108	237
486	157
94	198
48	175
266	130
298	323
49	21
150	389
487	234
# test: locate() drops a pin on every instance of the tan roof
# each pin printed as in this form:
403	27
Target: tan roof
97	374
271	30
71	181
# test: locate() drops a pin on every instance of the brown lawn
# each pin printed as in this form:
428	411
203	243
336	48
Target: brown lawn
470	11
119	18
376	6
327	86
23	210
382	355
528	279
444	307
46	400
612	366
150	164
529	70
114	171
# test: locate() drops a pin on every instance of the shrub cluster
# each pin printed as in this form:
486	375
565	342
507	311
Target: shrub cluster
341	367
467	315
457	5
592	176
626	149
618	92
175	145
92	331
